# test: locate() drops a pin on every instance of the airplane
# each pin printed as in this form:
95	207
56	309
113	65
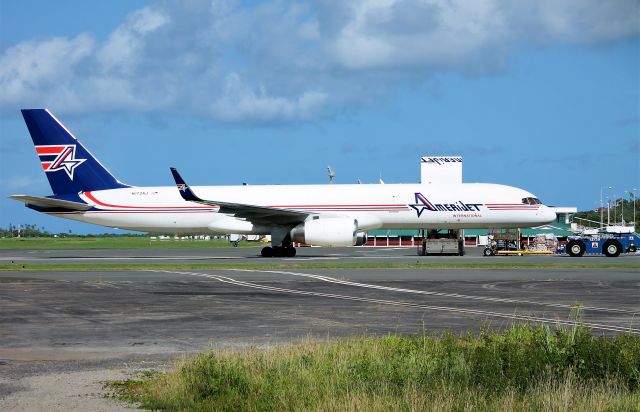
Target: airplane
321	215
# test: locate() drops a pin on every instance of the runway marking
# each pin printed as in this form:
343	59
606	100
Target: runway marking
536	319
431	293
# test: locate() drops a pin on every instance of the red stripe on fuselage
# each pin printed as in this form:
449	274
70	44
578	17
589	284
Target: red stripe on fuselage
374	205
313	207
109	212
512	208
98	202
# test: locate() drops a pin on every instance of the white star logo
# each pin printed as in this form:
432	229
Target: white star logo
419	208
421	204
66	161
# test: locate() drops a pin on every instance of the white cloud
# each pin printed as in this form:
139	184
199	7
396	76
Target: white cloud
577	21
125	44
29	68
450	35
239	102
277	61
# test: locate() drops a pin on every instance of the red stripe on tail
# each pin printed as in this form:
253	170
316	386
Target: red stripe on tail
49	150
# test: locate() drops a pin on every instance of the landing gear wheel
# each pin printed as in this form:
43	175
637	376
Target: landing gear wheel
267	252
290	251
612	248
460	248
488	252
575	248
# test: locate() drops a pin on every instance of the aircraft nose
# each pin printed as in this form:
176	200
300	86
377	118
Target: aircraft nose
547	215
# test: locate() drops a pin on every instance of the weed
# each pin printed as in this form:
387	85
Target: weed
522	368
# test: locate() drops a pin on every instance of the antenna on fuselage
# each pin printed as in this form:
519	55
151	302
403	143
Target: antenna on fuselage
332	174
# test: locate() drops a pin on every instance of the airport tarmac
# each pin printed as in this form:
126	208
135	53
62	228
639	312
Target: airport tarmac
174	311
358	255
63	332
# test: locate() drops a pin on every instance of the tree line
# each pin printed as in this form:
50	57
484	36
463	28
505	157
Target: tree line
620	210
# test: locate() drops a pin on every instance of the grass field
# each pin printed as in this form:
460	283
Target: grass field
524	368
119	242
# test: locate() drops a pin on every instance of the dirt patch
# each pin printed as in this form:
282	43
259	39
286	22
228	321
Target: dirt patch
66	391
70	384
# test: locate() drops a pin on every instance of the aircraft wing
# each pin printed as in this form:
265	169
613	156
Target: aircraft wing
252	213
48	202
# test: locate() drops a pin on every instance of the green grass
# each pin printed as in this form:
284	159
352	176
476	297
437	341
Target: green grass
107	242
523	368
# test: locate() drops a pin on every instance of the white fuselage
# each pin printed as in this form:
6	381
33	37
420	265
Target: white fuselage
374	206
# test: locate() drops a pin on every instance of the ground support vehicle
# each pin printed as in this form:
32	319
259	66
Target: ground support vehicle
443	242
609	244
520	252
503	242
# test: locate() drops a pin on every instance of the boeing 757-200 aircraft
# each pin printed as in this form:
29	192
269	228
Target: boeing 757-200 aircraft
323	215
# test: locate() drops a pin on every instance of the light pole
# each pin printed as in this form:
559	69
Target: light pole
615	204
634	206
609	197
622	214
601	210
623	199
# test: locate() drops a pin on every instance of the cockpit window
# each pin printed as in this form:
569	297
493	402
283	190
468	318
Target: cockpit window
531	201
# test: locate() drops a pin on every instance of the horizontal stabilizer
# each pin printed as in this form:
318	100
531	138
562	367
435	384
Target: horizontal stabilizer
48	202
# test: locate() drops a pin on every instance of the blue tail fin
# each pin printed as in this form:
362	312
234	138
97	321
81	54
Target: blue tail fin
69	167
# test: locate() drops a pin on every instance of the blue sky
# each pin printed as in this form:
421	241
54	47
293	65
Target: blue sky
543	95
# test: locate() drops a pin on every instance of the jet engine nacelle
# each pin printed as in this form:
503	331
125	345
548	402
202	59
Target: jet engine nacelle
361	239
326	231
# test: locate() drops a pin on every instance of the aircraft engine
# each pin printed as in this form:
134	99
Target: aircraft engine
361	238
326	231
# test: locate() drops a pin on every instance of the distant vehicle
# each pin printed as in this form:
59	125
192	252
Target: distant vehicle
235	238
322	215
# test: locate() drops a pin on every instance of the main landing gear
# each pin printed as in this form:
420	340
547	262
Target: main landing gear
281	244
278	251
